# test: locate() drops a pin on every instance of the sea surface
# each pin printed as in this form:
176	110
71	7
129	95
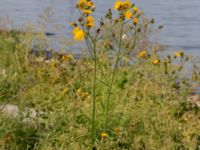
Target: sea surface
181	18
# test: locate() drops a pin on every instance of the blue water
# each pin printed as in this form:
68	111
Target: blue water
180	18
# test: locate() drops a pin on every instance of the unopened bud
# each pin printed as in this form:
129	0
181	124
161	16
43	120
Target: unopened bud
80	19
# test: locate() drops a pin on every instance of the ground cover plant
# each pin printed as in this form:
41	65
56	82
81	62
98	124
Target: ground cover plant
122	95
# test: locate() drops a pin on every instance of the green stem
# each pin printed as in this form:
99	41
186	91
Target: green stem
93	57
93	54
113	77
94	95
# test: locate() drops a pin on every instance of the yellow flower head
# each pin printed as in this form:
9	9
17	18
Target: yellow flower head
76	30
79	91
85	94
178	54
118	5
78	34
66	90
142	54
67	57
90	4
87	11
126	5
104	135
52	60
81	4
82	94
84	4
54	63
128	14
156	62
90	21
135	21
135	9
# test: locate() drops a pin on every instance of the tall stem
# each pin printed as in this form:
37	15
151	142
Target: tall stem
94	95
93	54
113	76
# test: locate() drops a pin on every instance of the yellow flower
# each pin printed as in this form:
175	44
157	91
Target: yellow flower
82	94
66	90
104	135
135	9
142	54
79	91
53	62
78	34
67	57
118	5
85	94
76	30
87	11
90	21
156	62
178	54
83	4
82	1
126	5
135	21
90	4
128	14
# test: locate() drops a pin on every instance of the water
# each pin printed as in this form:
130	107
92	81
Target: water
180	18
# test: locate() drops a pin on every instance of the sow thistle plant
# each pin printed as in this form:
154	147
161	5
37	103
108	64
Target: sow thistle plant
117	38
85	29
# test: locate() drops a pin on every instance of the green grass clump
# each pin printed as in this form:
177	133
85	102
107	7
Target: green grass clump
123	96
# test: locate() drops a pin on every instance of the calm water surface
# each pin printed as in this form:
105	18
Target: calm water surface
181	18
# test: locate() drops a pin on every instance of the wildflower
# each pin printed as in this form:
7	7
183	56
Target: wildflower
90	4
135	21
128	14
118	5
126	5
178	54
142	54
104	135
156	62
85	94
79	91
90	21
53	62
67	57
87	11
66	90
83	4
135	9
78	34
82	94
